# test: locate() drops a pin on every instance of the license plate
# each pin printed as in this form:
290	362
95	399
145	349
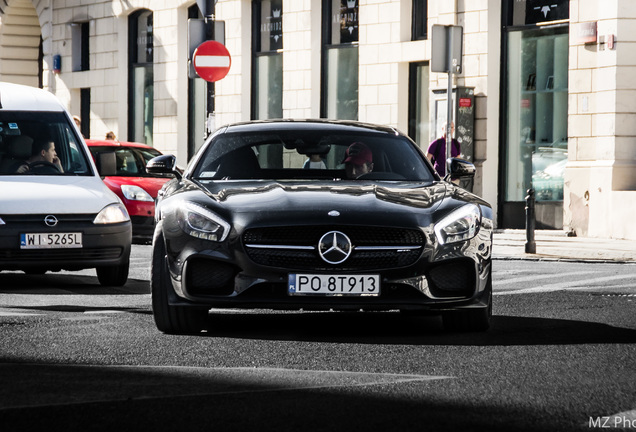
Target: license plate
336	285
50	240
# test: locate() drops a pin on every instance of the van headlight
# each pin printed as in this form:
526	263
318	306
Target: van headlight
113	213
200	222
461	224
135	193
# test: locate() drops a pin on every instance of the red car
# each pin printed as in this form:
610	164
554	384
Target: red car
133	184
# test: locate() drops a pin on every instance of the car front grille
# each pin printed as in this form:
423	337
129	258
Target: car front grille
452	278
374	248
209	277
63	220
60	255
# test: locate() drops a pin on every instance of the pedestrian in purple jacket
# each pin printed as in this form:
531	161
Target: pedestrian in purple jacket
437	151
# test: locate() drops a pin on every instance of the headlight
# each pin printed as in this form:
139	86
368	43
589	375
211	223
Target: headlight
201	223
462	224
113	213
135	193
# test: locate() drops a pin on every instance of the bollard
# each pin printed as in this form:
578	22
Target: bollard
531	246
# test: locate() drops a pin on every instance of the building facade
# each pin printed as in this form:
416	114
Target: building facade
543	98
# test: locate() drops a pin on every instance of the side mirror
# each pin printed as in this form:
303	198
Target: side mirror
164	164
106	164
459	168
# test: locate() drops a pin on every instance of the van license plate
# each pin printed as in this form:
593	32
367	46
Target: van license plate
50	240
335	285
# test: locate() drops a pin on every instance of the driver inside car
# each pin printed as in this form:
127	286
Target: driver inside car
43	155
358	160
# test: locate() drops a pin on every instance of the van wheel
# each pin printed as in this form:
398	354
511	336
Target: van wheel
113	275
170	319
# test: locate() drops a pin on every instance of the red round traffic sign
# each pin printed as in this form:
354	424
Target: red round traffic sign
212	61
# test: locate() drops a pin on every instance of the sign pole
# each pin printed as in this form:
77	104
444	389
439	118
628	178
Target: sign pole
446	56
209	35
449	98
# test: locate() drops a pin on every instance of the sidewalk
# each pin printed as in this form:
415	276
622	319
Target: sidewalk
555	245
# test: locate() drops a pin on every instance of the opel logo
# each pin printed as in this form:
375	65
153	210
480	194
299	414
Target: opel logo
50	220
334	247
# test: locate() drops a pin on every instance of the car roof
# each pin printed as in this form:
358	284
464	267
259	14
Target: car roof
111	143
309	124
16	97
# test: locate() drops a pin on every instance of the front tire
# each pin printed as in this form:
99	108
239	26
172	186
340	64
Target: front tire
170	319
114	275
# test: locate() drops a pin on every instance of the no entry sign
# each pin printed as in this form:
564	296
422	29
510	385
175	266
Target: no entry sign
212	61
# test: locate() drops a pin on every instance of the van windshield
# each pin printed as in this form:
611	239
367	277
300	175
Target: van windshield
40	143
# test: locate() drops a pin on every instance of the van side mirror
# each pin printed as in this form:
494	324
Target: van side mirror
106	164
459	169
164	164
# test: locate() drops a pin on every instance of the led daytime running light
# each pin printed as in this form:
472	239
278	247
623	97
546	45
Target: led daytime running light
460	225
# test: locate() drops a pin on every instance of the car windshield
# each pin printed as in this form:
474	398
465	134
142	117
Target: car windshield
314	154
131	161
40	143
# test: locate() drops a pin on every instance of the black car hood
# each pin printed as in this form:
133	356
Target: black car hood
346	201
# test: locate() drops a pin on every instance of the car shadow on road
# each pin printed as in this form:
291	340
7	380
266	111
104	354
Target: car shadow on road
392	328
52	283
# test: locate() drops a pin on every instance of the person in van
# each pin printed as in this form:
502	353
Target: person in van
43	158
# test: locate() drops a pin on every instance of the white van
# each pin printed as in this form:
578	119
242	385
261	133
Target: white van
56	213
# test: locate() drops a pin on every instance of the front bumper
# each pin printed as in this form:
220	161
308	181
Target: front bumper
443	278
102	245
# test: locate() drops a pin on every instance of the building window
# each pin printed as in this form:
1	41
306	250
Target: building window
340	60
419	104
80	46
420	19
141	89
197	92
267	61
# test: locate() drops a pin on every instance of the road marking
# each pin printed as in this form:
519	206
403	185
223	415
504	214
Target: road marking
569	285
532	278
105	311
10	312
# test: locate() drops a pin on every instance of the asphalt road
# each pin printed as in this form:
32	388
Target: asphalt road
560	356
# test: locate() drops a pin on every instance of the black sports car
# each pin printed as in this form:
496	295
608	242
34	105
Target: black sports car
318	215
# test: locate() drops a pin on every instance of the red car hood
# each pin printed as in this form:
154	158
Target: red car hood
149	184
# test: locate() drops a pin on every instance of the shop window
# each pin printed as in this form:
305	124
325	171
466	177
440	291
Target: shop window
419	104
420	19
537	110
141	81
340	60
267	61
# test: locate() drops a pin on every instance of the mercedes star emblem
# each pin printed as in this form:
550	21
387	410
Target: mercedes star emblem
334	247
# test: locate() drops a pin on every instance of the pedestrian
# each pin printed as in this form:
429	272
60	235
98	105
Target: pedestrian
314	162
78	122
436	152
110	136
